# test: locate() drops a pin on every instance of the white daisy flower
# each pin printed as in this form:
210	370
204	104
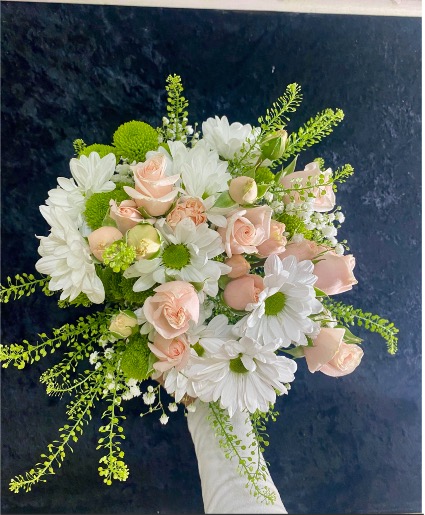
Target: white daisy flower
89	175
227	139
67	259
210	337
284	306
242	375
186	256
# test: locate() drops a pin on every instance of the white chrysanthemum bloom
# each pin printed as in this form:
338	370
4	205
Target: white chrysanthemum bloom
186	256
66	257
242	375
89	175
285	305
210	337
227	139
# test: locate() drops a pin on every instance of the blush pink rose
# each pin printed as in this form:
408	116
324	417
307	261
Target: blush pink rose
277	241
125	215
331	355
246	230
334	271
171	353
324	195
189	207
100	239
242	291
153	191
172	307
239	265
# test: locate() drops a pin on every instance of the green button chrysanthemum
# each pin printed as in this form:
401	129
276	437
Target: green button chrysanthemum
133	139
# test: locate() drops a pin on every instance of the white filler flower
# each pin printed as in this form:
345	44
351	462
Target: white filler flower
243	375
187	256
66	258
227	139
285	305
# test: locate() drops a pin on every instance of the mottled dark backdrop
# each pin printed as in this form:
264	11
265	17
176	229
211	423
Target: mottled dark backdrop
340	446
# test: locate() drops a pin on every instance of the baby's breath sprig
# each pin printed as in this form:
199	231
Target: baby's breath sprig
348	315
22	285
233	448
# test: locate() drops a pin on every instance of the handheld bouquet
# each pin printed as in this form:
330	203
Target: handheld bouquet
214	260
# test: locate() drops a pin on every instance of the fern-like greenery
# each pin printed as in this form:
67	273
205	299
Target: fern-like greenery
23	285
20	355
79	412
250	462
275	117
348	315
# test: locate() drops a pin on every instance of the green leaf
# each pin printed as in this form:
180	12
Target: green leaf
296	353
319	292
349	337
224	200
262	190
287	170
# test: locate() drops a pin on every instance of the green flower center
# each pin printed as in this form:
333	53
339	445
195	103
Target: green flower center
237	366
274	304
200	351
176	256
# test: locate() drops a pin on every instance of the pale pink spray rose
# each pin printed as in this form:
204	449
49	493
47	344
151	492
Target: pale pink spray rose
125	214
334	271
153	191
172	307
100	239
324	195
331	355
242	291
171	353
239	264
243	190
246	230
277	241
189	207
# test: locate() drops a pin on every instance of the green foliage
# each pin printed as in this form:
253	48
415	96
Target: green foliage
102	150
250	463
80	300
97	206
135	359
111	465
342	174
22	285
133	139
264	175
79	146
79	412
294	225
275	117
129	296
119	256
119	290
348	315
20	355
311	132
177	113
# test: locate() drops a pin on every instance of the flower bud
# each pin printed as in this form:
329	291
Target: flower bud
146	239
124	324
239	264
273	147
101	238
243	190
243	291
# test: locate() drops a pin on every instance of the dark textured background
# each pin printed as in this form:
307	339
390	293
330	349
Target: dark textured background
340	446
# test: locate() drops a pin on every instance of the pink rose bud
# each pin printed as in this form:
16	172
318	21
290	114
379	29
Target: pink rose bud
172	307
243	190
171	353
304	250
100	239
154	190
125	215
239	264
277	241
189	207
243	291
345	361
324	195
335	273
331	355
